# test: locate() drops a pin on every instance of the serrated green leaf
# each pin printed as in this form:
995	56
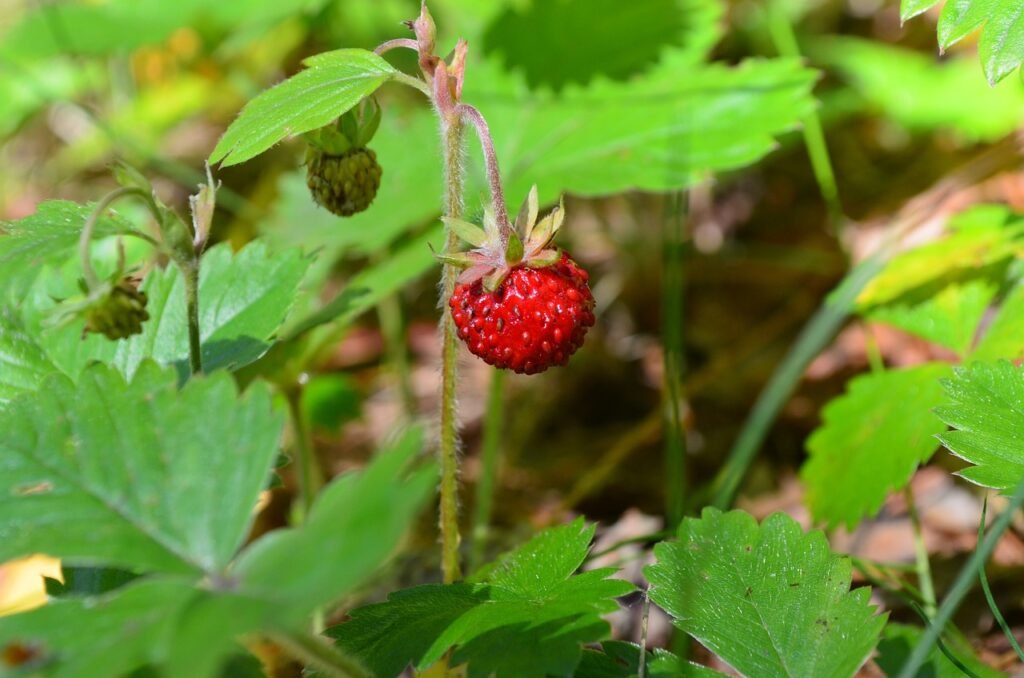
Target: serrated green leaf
530	598
948	317
986	411
611	39
871	441
243	299
1001	46
333	83
354	525
769	600
23	364
99	473
1004	338
47	238
899	640
903	85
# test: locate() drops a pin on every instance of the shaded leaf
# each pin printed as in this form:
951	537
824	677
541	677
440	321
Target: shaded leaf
770	600
23	364
98	473
333	83
986	410
899	640
871	441
618	659
530	598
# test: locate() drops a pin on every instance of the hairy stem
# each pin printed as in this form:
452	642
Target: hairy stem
451	131
672	348
309	475
314	652
493	173
490	451
190	271
88	272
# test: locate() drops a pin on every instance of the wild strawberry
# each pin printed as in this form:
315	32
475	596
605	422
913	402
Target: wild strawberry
523	307
342	174
118	311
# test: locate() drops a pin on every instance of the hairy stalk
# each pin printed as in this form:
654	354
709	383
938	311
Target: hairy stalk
190	271
88	272
493	173
316	653
923	566
490	451
309	475
451	131
672	349
961	586
392	324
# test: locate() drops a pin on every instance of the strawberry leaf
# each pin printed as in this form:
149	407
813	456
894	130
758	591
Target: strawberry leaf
98	473
529	598
770	600
871	441
1001	22
333	83
986	410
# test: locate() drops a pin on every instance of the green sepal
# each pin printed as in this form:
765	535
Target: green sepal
514	250
545	258
493	280
459	259
471	233
129	177
329	140
348	126
527	216
369	126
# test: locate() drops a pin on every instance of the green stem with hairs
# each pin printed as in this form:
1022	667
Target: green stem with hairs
190	273
672	350
451	128
923	566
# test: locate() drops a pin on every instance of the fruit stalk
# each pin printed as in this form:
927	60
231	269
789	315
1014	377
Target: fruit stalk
451	132
493	173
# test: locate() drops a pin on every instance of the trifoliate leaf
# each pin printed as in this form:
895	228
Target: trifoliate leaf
770	600
137	474
871	441
986	410
529	598
243	299
355	524
1001	45
332	83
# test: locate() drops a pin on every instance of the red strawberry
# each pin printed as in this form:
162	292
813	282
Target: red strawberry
519	304
536	318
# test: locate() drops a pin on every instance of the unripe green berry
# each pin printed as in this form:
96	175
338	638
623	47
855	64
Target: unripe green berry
120	313
344	184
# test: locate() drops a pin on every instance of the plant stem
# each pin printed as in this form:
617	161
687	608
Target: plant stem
672	350
314	652
451	132
489	454
1007	631
389	313
924	569
961	586
309	475
88	272
190	271
493	172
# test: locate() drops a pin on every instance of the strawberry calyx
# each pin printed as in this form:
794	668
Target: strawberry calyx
496	251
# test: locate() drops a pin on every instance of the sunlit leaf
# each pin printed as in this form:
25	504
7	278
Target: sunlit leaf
871	441
986	410
99	472
1001	22
768	599
333	83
